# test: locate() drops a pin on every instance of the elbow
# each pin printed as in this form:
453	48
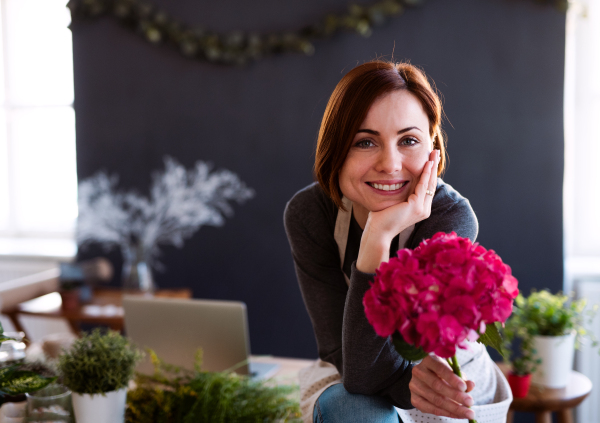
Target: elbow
355	388
357	384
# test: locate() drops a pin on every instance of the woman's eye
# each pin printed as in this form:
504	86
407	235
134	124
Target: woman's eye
364	143
409	141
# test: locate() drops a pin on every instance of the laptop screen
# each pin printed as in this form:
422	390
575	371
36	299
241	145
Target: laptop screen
176	328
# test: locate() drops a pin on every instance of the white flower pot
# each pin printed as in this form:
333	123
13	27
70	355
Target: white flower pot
556	353
13	412
98	408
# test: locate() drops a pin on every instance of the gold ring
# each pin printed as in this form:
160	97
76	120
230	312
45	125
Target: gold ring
428	192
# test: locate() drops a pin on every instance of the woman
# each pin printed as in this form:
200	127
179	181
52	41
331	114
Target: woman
379	153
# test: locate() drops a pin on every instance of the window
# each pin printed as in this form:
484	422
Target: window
582	175
38	182
582	142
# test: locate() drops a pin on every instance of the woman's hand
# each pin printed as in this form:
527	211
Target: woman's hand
384	225
435	389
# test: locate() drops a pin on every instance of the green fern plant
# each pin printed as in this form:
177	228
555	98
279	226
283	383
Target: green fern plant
15	381
98	362
174	395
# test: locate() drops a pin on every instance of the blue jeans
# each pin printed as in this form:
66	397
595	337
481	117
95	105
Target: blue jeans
336	404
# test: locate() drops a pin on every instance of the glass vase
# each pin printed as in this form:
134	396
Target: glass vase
137	272
51	404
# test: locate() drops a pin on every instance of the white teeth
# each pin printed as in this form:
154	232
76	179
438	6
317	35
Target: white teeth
387	187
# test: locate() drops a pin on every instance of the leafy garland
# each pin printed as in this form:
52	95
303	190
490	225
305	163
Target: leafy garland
238	47
235	47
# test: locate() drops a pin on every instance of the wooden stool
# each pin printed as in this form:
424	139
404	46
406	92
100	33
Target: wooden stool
543	401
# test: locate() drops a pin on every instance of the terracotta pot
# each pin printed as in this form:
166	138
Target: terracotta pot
70	299
519	385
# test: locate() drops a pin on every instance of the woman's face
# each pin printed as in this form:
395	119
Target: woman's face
387	155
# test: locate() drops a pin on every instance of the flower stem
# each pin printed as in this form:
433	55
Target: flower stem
453	362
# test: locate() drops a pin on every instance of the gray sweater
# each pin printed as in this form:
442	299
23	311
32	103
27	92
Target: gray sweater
368	363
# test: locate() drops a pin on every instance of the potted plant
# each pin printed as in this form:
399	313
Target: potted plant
17	379
97	369
550	327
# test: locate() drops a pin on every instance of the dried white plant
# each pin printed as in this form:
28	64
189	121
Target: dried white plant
180	202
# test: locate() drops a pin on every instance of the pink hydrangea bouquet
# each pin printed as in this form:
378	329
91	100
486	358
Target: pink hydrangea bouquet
436	297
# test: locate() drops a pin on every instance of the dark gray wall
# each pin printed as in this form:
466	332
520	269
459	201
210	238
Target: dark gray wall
498	63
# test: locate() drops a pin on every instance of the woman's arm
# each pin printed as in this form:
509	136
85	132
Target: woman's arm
371	364
309	223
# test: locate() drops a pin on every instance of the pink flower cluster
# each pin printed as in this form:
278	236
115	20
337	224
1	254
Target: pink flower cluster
441	294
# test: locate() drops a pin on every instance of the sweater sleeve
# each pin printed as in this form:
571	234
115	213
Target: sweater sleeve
371	364
317	265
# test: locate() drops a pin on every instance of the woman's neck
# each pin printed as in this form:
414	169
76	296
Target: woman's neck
360	214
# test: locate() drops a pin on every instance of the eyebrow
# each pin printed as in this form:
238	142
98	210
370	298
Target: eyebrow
370	131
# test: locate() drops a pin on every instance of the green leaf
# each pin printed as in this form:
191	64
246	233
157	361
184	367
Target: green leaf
406	350
492	338
5	372
20	382
5	338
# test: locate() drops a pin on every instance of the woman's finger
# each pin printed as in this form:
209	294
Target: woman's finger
429	385
470	385
423	405
440	368
423	184
449	407
432	182
433	176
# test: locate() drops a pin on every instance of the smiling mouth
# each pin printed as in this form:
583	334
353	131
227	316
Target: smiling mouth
382	187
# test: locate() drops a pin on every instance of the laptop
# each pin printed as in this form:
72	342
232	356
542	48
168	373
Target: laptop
176	328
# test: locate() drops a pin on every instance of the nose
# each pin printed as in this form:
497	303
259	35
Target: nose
389	161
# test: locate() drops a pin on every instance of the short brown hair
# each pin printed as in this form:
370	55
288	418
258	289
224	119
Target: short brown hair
348	107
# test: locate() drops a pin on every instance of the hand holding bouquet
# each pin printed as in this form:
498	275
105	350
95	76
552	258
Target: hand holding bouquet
444	293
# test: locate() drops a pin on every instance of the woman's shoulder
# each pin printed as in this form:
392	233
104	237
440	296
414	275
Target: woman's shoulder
447	197
450	211
310	207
